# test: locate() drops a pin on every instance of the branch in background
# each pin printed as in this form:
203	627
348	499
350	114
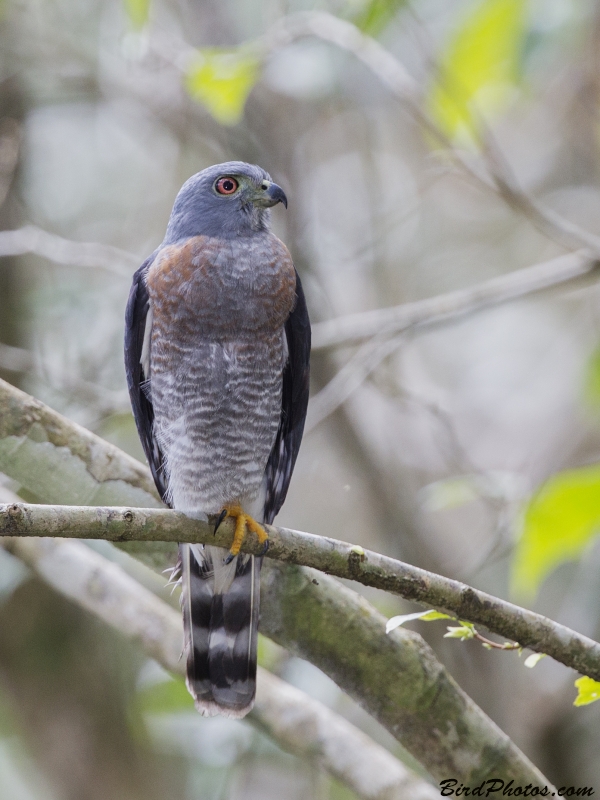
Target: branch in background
413	695
30	239
346	330
454	305
350	377
327	555
494	172
491	170
310	730
384	328
381	326
29	428
296	722
396	678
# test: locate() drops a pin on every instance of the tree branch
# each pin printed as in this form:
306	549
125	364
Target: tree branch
319	552
396	678
30	239
448	307
296	722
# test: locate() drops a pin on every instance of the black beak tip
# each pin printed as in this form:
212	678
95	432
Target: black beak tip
277	194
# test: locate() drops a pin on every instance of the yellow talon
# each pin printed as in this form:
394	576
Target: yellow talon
244	522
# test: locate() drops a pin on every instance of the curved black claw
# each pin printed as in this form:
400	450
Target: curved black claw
228	559
220	519
263	552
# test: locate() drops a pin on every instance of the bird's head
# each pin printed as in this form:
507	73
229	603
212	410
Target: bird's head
225	200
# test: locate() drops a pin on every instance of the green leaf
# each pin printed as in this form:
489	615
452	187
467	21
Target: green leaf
465	631
426	616
375	15
558	524
222	80
165	697
588	691
533	659
138	12
430	616
480	68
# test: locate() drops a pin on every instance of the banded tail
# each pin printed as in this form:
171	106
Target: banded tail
220	622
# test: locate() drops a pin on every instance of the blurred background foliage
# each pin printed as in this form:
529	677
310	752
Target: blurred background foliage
471	450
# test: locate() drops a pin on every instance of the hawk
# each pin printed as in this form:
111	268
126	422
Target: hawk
217	344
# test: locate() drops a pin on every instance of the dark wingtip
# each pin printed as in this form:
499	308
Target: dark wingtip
220	519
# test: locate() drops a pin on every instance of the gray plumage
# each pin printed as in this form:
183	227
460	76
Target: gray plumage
218	325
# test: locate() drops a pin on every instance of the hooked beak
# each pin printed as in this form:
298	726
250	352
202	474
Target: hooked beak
271	194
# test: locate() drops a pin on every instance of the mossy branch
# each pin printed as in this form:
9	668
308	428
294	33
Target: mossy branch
295	721
323	553
395	677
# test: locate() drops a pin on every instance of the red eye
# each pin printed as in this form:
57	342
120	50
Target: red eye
226	185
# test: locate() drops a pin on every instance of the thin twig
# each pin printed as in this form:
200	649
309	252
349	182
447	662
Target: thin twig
349	378
334	557
496	645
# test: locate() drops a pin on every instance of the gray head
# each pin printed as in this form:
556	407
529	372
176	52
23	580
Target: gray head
225	200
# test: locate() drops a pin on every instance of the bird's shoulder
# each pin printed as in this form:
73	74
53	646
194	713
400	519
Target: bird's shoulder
180	262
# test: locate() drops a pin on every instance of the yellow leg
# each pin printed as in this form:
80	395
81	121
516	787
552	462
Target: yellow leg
244	522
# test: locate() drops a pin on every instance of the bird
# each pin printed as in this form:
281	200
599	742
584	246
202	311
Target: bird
217	352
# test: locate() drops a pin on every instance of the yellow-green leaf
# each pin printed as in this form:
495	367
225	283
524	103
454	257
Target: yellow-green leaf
138	12
533	659
222	80
480	67
558	524
375	15
588	691
426	616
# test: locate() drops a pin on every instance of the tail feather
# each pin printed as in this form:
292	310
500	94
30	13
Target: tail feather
220	619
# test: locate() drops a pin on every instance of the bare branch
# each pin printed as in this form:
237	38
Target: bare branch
383	328
350	377
30	239
448	307
396	678
296	722
327	555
